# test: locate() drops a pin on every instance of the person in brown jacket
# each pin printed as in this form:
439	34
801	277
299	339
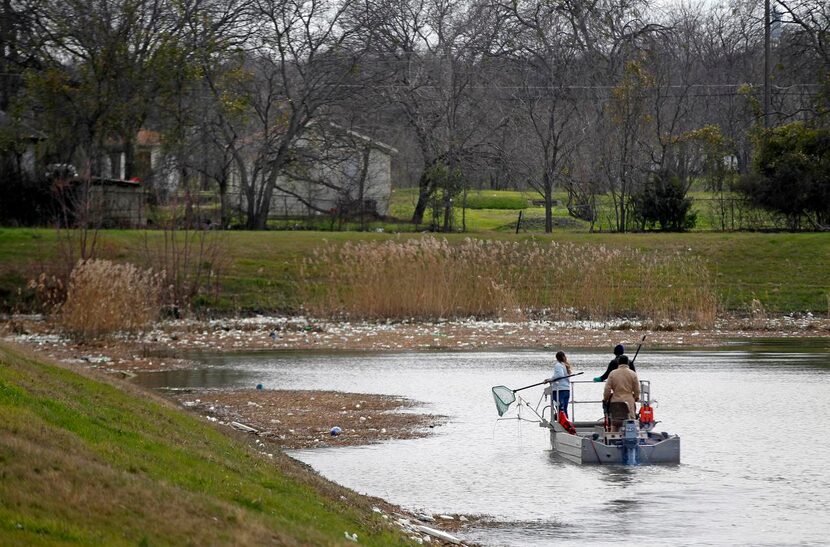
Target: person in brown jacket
622	388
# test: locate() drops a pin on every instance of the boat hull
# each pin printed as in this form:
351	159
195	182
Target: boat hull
584	449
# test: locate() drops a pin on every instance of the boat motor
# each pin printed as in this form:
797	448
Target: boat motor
631	442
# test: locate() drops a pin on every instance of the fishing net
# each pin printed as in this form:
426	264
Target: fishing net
504	397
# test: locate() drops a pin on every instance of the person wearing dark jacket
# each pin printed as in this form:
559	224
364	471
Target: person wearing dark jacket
619	349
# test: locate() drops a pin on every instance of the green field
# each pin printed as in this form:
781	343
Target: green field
84	461
785	272
498	210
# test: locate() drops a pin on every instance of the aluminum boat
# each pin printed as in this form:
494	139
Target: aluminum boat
592	442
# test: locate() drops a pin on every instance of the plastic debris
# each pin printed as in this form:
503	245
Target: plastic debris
259	386
243	427
335	431
438	534
351	537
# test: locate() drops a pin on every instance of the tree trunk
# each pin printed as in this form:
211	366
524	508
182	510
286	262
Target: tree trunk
424	193
621	227
224	215
548	204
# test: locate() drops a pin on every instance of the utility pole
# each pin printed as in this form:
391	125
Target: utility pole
767	50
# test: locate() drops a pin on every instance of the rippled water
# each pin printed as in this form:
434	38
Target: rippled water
754	423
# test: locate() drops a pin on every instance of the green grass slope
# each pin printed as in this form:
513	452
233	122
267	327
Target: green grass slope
85	462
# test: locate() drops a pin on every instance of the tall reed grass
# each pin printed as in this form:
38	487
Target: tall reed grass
432	278
103	298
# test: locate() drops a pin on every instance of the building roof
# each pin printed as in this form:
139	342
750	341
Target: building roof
254	138
148	137
369	140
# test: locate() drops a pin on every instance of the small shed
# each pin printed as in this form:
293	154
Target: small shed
104	202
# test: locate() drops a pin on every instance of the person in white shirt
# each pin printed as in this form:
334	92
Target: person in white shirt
561	387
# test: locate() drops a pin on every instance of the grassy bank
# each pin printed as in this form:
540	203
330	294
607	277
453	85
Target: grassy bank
784	272
83	461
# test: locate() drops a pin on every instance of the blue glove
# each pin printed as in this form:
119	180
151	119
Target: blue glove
598	379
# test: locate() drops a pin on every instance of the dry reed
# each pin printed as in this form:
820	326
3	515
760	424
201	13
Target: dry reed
103	298
432	278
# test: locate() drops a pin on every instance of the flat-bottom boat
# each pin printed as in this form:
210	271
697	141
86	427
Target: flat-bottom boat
594	443
632	442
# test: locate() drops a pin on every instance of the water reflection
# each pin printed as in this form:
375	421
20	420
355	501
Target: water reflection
618	476
215	377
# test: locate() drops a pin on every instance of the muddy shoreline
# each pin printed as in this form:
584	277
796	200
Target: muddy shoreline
167	346
293	419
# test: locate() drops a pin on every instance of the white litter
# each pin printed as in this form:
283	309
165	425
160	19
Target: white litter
243	427
443	536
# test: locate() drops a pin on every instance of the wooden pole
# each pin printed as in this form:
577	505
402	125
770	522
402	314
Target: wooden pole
767	55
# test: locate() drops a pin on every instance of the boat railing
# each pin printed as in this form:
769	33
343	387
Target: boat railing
645	397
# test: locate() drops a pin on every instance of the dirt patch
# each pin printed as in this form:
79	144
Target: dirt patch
305	419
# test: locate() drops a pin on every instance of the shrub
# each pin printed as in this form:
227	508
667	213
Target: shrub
495	200
792	169
26	201
104	298
192	261
662	202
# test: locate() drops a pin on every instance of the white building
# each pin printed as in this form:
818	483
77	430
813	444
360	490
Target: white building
339	170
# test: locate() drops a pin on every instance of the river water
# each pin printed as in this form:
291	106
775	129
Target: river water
754	421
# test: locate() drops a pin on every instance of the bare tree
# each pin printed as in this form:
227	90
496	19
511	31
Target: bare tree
427	52
300	64
539	39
